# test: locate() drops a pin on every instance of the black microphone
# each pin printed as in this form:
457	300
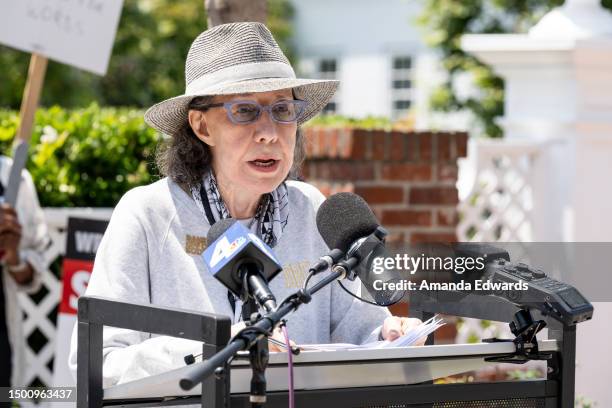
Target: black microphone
345	221
242	262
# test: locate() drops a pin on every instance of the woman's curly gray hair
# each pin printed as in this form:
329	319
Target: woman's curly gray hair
185	159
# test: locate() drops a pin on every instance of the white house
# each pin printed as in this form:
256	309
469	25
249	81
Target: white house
377	52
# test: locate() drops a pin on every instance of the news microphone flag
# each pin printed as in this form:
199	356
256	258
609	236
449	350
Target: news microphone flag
235	246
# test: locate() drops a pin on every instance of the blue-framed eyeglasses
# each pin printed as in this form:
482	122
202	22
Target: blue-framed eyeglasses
246	112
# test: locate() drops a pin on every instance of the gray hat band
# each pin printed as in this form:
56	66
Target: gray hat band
237	58
237	73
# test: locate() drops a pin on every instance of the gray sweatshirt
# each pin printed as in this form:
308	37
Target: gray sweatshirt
151	253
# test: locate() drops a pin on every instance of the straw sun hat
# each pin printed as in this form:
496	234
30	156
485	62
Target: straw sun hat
237	58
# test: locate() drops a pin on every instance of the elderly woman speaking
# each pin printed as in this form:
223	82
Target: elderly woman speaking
233	143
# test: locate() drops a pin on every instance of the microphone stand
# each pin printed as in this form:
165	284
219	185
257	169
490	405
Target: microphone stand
255	340
258	358
258	353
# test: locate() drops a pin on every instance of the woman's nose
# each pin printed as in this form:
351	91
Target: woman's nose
266	129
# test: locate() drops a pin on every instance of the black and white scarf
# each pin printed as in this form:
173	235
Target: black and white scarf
270	217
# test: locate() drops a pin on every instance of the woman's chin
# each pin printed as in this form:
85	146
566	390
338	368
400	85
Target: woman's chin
264	183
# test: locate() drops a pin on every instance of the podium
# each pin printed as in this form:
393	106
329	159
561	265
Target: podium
355	378
399	377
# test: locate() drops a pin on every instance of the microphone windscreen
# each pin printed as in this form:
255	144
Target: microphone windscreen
344	218
218	229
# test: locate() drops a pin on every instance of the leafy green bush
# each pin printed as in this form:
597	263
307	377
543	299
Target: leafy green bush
86	157
90	157
370	122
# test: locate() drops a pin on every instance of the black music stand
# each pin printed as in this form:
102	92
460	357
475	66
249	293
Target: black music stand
95	312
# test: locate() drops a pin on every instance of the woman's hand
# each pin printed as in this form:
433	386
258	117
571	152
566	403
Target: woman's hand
10	234
279	336
394	327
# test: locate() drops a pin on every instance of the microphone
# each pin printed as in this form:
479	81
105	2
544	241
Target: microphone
327	261
346	222
242	262
343	219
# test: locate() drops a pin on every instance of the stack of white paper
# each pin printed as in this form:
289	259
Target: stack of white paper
408	339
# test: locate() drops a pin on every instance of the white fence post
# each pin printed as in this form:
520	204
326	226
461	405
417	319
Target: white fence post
36	321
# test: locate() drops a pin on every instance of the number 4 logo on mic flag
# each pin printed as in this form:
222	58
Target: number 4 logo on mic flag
224	249
234	240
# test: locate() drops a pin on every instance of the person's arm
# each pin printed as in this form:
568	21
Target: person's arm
25	238
362	323
21	271
354	321
121	272
10	238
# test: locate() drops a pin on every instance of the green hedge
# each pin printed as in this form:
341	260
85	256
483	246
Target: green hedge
86	157
370	122
90	157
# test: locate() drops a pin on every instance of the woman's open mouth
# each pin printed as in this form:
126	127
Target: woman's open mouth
267	165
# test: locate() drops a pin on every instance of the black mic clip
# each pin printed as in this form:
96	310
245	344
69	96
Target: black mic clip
362	248
525	328
303	296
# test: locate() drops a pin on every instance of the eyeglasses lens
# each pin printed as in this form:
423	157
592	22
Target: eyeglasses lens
283	111
245	112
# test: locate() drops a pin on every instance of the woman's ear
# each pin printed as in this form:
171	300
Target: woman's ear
197	121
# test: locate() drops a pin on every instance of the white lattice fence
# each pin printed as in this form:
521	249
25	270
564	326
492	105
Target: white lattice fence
496	206
40	309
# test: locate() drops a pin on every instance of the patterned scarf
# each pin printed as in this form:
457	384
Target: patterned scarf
270	217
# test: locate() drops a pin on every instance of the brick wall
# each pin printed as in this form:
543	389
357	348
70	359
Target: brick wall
408	178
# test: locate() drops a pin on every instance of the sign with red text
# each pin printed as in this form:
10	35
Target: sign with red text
76	276
82	241
83	238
